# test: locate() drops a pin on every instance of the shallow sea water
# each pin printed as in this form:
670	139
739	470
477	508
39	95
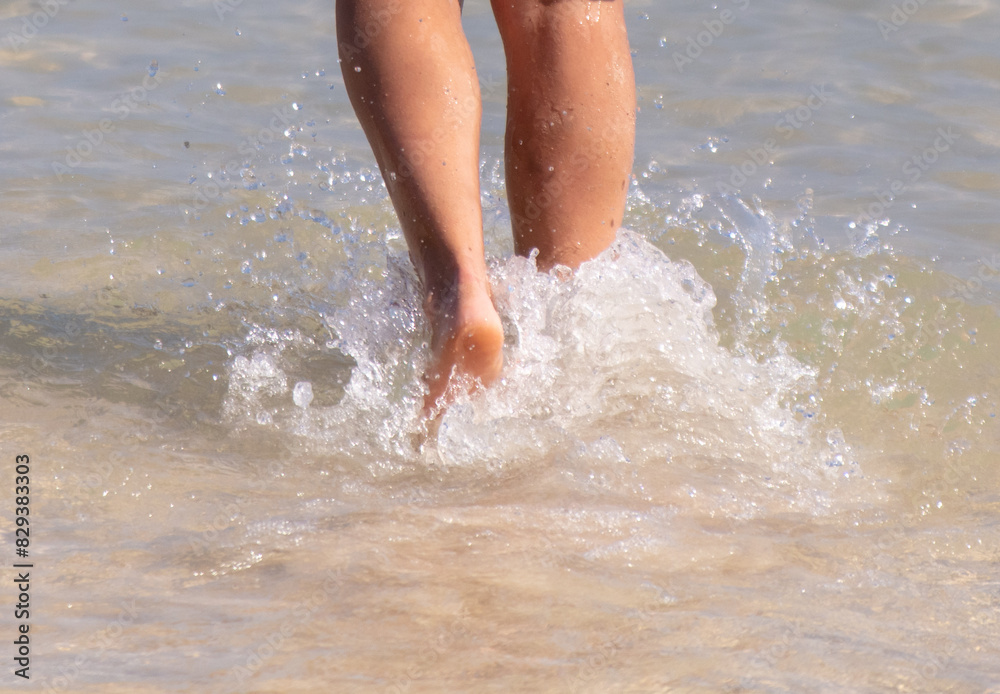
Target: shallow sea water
751	448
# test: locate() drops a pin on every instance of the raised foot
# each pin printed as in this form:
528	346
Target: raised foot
466	344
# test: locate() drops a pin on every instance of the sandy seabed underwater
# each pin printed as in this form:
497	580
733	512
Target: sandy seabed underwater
751	448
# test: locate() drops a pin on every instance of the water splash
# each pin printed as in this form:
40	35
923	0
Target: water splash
621	356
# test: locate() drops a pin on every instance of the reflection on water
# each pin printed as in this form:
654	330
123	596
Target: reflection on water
751	448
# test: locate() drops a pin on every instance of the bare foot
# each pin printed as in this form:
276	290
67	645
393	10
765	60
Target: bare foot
466	342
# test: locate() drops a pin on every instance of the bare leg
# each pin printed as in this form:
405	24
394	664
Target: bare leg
570	125
410	75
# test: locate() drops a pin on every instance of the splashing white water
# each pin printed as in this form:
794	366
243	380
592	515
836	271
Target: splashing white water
616	366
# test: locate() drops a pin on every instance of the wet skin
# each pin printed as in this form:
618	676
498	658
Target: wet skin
569	140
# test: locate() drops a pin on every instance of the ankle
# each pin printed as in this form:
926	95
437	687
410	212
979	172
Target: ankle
444	291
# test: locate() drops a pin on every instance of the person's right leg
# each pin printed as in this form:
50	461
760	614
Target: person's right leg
410	75
570	125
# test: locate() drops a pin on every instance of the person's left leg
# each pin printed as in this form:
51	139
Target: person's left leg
570	125
414	87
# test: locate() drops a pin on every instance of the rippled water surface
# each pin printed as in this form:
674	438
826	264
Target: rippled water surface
751	448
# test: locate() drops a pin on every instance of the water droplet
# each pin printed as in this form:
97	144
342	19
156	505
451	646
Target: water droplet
219	90
302	395
158	344
357	68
